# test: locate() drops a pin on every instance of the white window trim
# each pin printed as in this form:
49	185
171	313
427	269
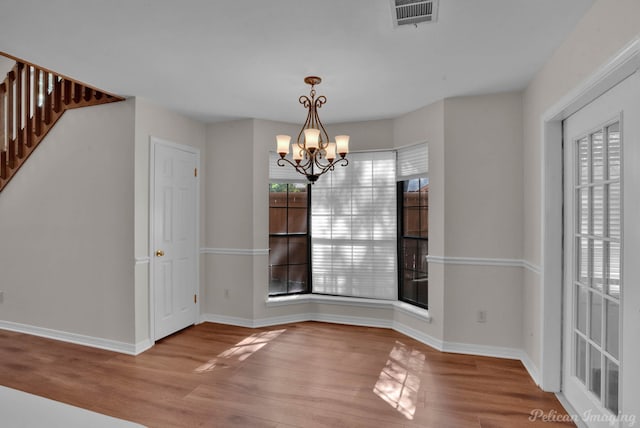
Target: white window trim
615	70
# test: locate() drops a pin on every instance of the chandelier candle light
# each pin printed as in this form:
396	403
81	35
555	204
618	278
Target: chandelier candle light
313	153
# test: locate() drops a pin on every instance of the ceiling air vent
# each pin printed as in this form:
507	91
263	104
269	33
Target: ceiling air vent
406	12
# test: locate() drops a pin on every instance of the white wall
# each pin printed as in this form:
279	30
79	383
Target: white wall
155	121
66	253
604	30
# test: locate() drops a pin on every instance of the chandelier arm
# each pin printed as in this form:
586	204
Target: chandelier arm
332	165
301	168
318	161
341	162
318	104
308	123
305	101
281	162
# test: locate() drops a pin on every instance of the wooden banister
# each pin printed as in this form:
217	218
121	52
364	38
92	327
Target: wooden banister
64	77
32	99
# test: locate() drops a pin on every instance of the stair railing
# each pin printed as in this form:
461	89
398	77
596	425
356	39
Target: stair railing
32	99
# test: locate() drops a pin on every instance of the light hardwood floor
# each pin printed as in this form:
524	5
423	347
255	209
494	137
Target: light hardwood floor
295	375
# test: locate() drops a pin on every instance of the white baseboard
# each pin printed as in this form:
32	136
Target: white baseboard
344	319
78	339
224	319
531	367
287	319
418	335
143	346
482	350
571	411
458	348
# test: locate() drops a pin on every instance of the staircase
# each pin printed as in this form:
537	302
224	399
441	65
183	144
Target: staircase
32	99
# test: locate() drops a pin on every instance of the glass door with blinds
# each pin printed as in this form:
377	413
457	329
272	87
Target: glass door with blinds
597	241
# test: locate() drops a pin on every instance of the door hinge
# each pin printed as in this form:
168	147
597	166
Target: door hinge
195	298
195	172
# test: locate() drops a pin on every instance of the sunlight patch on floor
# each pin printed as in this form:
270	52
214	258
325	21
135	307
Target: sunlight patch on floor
399	381
241	350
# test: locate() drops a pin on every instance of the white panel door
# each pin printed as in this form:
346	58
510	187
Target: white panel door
601	258
174	238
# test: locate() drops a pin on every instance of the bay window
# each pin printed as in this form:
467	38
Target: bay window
359	231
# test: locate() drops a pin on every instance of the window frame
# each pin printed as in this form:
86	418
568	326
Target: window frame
402	237
307	235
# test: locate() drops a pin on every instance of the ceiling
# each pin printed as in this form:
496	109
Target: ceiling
219	60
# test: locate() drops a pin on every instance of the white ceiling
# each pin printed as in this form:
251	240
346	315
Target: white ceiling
217	60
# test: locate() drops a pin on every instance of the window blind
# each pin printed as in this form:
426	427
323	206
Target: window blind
413	162
280	174
354	228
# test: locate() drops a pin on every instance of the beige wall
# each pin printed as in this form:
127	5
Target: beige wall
427	124
604	30
66	253
494	289
483	176
368	135
229	205
482	161
155	121
424	124
475	212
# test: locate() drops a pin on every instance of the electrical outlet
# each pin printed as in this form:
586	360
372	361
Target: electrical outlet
226	293
1	296
482	316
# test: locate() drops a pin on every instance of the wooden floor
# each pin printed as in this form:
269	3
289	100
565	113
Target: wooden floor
295	375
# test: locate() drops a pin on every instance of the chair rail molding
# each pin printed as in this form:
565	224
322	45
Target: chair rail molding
236	251
484	261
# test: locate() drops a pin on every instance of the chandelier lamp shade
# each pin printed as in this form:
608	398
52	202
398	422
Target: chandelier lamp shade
312	153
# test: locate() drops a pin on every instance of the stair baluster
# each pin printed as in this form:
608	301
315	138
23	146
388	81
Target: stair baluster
32	99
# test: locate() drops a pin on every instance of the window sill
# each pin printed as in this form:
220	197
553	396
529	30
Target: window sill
402	307
414	311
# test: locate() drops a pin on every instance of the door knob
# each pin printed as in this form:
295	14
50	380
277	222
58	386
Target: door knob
159	253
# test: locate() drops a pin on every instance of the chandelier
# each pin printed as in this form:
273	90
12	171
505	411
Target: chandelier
313	153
